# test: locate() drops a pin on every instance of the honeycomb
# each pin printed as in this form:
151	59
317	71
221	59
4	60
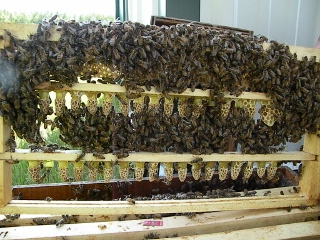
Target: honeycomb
168	170
196	110
107	171
63	171
223	170
196	171
34	170
248	169
123	108
44	105
250	106
197	106
154	103
92	103
107	104
235	169
153	171
75	100
267	113
271	170
261	169
168	107
139	171
92	170
182	171
77	171
182	107
124	170
138	104
98	70
225	108
209	170
59	103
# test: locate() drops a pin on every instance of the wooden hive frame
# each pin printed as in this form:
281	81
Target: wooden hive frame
159	21
309	185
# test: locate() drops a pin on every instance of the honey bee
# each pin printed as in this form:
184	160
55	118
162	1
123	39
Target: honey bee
64	220
6	106
166	182
249	193
152	235
80	156
191	215
296	189
78	190
93	192
98	155
267	193
48	149
289	208
303	207
18	196
12	217
120	154
123	217
48	199
5	234
88	165
197	160
131	201
102	226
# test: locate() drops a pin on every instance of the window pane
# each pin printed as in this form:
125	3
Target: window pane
78	10
142	10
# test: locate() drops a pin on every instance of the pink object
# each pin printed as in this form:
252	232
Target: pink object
152	223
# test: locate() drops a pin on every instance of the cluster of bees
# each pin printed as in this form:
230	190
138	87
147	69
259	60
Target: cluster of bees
189	189
171	59
82	129
154	130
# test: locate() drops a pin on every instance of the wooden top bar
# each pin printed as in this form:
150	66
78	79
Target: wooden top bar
153	206
114	88
165	157
159	21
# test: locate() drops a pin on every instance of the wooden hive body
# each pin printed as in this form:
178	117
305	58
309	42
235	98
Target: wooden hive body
243	214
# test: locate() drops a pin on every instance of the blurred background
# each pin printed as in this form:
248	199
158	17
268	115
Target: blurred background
294	22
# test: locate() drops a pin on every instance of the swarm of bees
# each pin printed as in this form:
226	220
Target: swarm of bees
171	59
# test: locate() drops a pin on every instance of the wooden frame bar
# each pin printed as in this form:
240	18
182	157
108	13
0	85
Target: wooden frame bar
114	88
168	21
310	182
206	223
5	168
5	183
275	216
165	157
306	230
4	135
273	200
152	207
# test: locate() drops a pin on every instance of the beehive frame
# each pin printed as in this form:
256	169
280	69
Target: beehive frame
309	185
310	189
